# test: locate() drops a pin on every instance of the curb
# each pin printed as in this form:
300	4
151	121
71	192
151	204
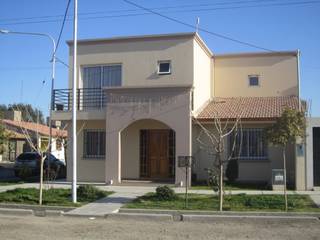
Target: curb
225	213
140	217
47	213
75	215
53	213
219	218
17	212
211	216
35	207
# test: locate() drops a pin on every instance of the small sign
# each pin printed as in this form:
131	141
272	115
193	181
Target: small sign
277	177
300	150
185	161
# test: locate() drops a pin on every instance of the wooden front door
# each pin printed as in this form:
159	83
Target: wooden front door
158	154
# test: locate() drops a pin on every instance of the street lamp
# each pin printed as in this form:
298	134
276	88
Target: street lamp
53	60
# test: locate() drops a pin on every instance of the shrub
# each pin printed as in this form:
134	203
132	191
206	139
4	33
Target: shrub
165	193
87	193
232	170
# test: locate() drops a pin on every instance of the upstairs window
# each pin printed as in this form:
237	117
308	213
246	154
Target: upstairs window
102	76
164	67
254	80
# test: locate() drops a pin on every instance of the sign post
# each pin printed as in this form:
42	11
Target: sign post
185	162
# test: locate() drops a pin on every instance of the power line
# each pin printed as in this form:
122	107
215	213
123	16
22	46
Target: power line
199	28
24	68
62	26
60	61
176	11
135	10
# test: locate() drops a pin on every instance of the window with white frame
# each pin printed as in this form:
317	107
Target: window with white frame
102	76
94	143
164	67
250	144
253	80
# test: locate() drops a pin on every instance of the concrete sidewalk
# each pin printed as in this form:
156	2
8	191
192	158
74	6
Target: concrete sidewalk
125	194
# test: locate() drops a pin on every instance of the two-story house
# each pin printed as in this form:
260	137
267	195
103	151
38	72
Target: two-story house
137	97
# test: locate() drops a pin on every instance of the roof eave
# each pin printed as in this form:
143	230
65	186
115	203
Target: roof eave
132	38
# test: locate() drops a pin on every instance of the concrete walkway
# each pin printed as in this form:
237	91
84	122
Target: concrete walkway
316	199
107	205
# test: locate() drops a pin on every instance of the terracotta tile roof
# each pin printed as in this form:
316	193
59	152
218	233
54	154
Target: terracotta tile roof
42	129
255	108
14	135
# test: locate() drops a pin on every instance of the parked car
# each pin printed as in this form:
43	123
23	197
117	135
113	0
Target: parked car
28	164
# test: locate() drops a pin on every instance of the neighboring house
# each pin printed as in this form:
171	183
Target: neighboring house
38	134
136	97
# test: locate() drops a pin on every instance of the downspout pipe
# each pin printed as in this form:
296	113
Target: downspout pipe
298	76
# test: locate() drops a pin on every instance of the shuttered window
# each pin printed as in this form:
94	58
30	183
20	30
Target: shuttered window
250	144
94	143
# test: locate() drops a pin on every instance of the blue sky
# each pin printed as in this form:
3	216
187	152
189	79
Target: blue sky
24	60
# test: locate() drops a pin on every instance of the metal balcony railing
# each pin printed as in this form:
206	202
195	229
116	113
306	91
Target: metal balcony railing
87	98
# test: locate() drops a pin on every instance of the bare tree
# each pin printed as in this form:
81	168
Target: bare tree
215	146
290	126
33	140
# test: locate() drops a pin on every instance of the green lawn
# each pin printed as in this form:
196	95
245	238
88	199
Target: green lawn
239	202
53	197
233	186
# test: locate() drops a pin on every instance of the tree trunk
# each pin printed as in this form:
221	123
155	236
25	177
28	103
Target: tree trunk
221	187
285	178
41	181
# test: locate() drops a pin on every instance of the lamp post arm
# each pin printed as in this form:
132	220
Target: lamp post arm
53	62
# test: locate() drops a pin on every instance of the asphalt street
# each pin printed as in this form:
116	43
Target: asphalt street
36	228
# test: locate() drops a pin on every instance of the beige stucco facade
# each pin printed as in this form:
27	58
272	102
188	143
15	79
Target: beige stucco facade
128	109
139	57
147	100
277	73
88	169
250	170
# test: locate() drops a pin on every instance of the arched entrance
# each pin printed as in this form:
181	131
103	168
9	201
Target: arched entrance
148	151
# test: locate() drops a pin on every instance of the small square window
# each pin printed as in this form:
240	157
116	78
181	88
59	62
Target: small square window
164	67
253	80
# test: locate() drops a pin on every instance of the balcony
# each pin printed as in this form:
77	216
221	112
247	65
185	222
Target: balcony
87	99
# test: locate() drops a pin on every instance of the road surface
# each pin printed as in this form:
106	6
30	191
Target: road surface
36	228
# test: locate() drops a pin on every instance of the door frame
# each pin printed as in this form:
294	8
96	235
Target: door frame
145	166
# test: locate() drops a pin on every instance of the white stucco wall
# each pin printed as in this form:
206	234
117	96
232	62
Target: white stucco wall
58	153
202	75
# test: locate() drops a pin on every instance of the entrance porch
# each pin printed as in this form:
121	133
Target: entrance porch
148	152
146	129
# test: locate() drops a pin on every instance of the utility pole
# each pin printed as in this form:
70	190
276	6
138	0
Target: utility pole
74	104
